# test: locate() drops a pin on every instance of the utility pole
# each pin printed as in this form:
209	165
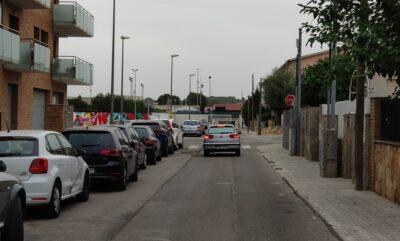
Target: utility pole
260	109
123	38
172	77
197	91
332	89
248	115
131	87
134	92
112	66
252	101
298	91
190	91
209	83
142	85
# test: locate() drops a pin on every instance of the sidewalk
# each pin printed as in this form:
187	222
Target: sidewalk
353	215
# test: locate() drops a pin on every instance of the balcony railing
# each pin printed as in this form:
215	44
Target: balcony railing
34	56
9	45
31	4
71	20
72	71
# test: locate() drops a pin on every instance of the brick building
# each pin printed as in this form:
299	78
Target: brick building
33	77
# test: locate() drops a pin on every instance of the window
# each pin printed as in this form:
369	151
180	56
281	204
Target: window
221	130
68	150
53	145
143	133
12	147
134	133
44	37
14	22
36	34
390	119
121	138
1	12
90	139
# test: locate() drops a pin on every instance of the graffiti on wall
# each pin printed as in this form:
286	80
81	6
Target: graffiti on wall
102	118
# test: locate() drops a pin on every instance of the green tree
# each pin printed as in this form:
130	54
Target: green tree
192	99
163	99
316	80
276	87
101	103
79	104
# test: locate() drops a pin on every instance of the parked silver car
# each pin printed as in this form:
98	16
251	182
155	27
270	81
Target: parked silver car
222	138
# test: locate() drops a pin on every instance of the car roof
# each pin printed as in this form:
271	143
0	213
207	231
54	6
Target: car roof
117	125
92	128
145	121
30	133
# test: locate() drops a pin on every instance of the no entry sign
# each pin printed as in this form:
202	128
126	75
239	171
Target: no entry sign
289	100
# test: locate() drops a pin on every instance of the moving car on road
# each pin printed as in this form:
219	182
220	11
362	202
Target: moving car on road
107	152
161	132
12	207
222	138
153	145
192	128
50	169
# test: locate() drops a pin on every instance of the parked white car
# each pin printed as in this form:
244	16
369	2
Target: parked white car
176	132
48	167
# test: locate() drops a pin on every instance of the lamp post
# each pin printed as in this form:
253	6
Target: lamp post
190	91
209	83
123	38
112	66
172	77
134	74
142	85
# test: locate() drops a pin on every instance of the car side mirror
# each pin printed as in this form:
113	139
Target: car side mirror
3	167
80	152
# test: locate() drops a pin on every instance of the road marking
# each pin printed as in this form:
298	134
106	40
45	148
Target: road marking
246	147
194	147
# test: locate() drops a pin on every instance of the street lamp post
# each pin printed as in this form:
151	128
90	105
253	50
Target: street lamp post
123	38
135	98
142	85
209	83
172	77
112	66
190	91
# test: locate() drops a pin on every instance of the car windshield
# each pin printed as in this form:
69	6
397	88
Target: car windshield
191	123
152	125
89	139
221	130
143	133
10	147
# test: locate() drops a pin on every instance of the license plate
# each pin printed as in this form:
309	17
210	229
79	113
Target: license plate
91	170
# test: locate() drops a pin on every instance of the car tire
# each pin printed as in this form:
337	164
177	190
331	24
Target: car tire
207	153
152	158
144	165
134	176
84	195
164	151
159	157
53	208
123	180
237	152
14	223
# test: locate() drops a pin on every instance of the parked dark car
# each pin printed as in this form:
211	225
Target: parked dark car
12	207
134	139
171	144
153	145
107	152
161	132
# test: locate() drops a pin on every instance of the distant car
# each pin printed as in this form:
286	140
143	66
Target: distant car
161	132
153	145
192	128
222	138
134	140
49	167
176	132
204	125
12	207
107	152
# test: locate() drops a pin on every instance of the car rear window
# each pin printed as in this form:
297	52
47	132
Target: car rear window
154	126
10	147
221	130
89	139
191	123
143	133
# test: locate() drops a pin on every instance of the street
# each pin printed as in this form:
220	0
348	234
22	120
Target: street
189	197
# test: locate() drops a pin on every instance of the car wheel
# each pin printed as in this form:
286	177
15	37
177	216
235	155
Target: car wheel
144	165
164	151
84	195
152	158
237	153
159	157
54	206
207	153
123	180
134	176
14	223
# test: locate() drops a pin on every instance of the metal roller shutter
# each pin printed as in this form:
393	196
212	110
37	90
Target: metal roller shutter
38	109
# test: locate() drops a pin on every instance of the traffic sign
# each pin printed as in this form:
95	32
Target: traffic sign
289	100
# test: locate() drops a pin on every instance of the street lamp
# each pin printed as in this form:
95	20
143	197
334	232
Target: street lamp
209	83
142	85
190	91
172	77
112	66
123	38
134	74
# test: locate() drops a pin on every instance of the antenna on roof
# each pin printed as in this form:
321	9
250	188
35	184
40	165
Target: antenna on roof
8	127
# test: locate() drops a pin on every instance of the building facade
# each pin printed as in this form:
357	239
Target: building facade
33	76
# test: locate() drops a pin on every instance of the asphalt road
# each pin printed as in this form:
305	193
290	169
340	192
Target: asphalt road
188	197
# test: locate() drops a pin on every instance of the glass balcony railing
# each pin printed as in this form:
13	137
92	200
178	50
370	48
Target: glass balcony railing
71	20
34	56
31	4
9	45
72	71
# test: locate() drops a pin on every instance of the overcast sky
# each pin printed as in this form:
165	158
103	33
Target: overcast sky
228	39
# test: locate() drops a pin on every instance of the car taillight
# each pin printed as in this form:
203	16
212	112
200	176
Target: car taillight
234	136
208	137
111	152
39	166
149	142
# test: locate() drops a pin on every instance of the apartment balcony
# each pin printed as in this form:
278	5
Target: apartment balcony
71	20
72	71
31	4
9	45
34	56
